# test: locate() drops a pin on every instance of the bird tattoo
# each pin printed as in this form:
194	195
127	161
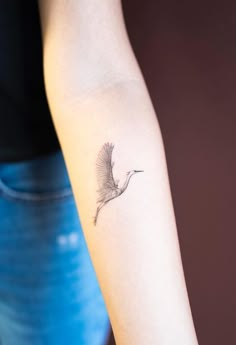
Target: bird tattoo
108	187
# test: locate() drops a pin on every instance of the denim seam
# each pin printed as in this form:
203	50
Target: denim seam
25	196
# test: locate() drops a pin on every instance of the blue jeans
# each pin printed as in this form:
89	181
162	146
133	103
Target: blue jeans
49	293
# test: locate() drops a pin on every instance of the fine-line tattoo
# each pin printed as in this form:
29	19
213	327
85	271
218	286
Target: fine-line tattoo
108	186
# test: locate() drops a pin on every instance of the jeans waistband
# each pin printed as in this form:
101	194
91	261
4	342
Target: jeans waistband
46	172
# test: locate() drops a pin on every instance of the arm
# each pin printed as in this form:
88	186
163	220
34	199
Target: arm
97	95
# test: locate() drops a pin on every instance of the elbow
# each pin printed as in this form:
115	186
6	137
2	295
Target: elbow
71	79
86	47
77	70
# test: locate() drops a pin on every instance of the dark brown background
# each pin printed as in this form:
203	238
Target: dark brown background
187	52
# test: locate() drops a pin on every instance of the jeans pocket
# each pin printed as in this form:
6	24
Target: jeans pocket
44	178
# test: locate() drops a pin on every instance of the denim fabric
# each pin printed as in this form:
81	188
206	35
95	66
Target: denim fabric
49	294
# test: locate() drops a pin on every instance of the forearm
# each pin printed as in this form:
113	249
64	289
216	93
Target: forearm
134	243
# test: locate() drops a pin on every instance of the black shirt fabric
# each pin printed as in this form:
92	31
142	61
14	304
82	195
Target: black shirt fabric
26	127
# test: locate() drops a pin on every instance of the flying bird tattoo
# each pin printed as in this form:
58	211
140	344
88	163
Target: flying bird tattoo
108	186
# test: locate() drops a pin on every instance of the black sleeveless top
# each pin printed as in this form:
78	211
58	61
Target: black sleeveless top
26	128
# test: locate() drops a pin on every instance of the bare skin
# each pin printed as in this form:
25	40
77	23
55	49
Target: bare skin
97	94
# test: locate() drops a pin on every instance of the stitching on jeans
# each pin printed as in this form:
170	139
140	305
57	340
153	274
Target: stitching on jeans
25	196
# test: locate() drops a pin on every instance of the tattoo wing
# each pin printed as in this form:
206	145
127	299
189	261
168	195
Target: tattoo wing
104	166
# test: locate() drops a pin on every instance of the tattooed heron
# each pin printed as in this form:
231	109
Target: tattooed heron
108	186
